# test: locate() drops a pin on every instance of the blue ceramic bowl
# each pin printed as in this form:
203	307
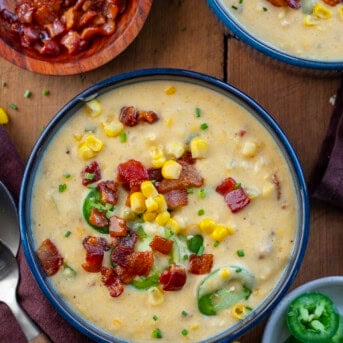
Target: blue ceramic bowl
222	12
258	112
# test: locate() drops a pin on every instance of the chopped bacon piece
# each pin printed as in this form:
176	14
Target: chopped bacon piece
108	191
128	116
155	174
98	218
120	255
91	173
173	278
226	186
332	2
95	248
189	177
236	199
161	244
176	198
132	173
200	264
111	280
187	157
148	116
125	274
56	28
282	3
49	257
141	262
117	227
128	241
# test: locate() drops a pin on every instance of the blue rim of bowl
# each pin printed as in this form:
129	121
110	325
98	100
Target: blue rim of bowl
238	31
192	77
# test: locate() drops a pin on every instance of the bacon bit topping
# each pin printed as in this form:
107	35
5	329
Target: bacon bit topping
128	241
161	244
148	116
117	227
109	192
129	116
176	198
226	186
187	157
111	280
282	3
155	174
132	173
95	248
200	264
277	184
332	2
91	173
173	278
49	257
98	218
237	199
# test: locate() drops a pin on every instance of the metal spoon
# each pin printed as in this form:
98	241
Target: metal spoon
9	273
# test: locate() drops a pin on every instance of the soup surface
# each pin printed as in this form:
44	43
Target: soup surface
313	31
163	209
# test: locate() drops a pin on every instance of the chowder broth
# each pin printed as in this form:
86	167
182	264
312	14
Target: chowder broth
305	32
254	241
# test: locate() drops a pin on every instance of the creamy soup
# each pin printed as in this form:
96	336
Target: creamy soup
314	31
164	210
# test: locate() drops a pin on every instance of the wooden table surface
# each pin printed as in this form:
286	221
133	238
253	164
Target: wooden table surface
186	34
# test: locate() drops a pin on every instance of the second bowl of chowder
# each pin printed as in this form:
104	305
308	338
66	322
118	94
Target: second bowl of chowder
163	204
304	33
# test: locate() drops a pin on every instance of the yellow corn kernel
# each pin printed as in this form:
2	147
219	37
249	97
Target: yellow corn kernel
80	231
194	327
162	218
175	150
93	143
158	158
116	322
169	122
161	201
155	296
137	202
199	147
249	149
239	311
207	225
93	108
151	204
230	230
148	189
3	116
170	90
171	170
321	12
85	152
340	11
173	225
268	189
224	273
310	20
219	233
149	216
112	128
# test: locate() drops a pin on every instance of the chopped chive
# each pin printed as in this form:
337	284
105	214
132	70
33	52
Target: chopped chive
201	212
13	106
249	308
203	126
238	270
27	93
89	176
184	313
265	9
45	92
190	190
240	253
154	317
62	187
123	137
201	250
216	243
67	175
240	1
238	185
67	234
157	333
234	7
202	193
185	257
197	112
184	332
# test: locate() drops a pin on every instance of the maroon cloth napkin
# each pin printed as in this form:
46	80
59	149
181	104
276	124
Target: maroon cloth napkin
29	295
327	178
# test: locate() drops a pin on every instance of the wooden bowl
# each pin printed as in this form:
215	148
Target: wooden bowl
100	52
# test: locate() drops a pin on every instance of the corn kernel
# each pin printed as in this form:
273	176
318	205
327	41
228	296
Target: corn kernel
161	201
149	216
137	202
93	108
321	12
207	225
169	122
340	11
224	273
310	20
148	189
158	158
151	204
93	143
85	152
238	311
249	149
112	128
199	147
155	296
116	322
162	218
175	150
268	189
173	225
170	90
230	230
219	233
171	170
3	117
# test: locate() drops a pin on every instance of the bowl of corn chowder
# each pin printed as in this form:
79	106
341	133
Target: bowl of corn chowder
302	33
163	204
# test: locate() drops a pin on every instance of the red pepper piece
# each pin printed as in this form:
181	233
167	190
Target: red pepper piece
95	248
111	280
49	257
173	278
161	244
226	186
132	173
98	218
236	199
108	191
200	264
117	227
91	173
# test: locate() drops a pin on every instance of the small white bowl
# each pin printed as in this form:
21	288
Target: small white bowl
276	329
